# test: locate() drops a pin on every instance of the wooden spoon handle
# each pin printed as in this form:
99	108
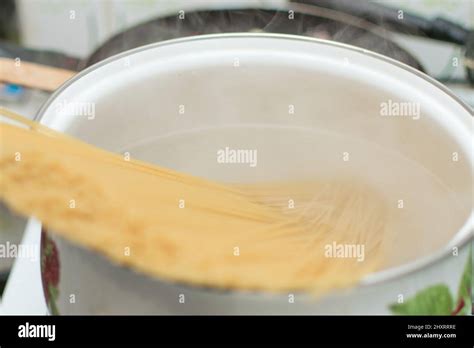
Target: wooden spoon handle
33	75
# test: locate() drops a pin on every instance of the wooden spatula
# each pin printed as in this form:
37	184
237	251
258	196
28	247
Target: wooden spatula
33	75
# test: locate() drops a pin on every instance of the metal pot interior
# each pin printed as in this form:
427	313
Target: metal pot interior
176	103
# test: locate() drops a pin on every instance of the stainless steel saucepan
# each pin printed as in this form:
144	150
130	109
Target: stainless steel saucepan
310	107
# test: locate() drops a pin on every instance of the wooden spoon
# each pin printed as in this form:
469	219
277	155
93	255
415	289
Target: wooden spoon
33	75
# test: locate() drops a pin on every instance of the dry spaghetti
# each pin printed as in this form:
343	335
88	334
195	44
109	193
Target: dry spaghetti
264	236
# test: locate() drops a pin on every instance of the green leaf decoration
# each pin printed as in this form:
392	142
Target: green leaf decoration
464	300
53	295
435	300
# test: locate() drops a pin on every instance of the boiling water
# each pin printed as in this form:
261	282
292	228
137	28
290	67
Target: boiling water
423	213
